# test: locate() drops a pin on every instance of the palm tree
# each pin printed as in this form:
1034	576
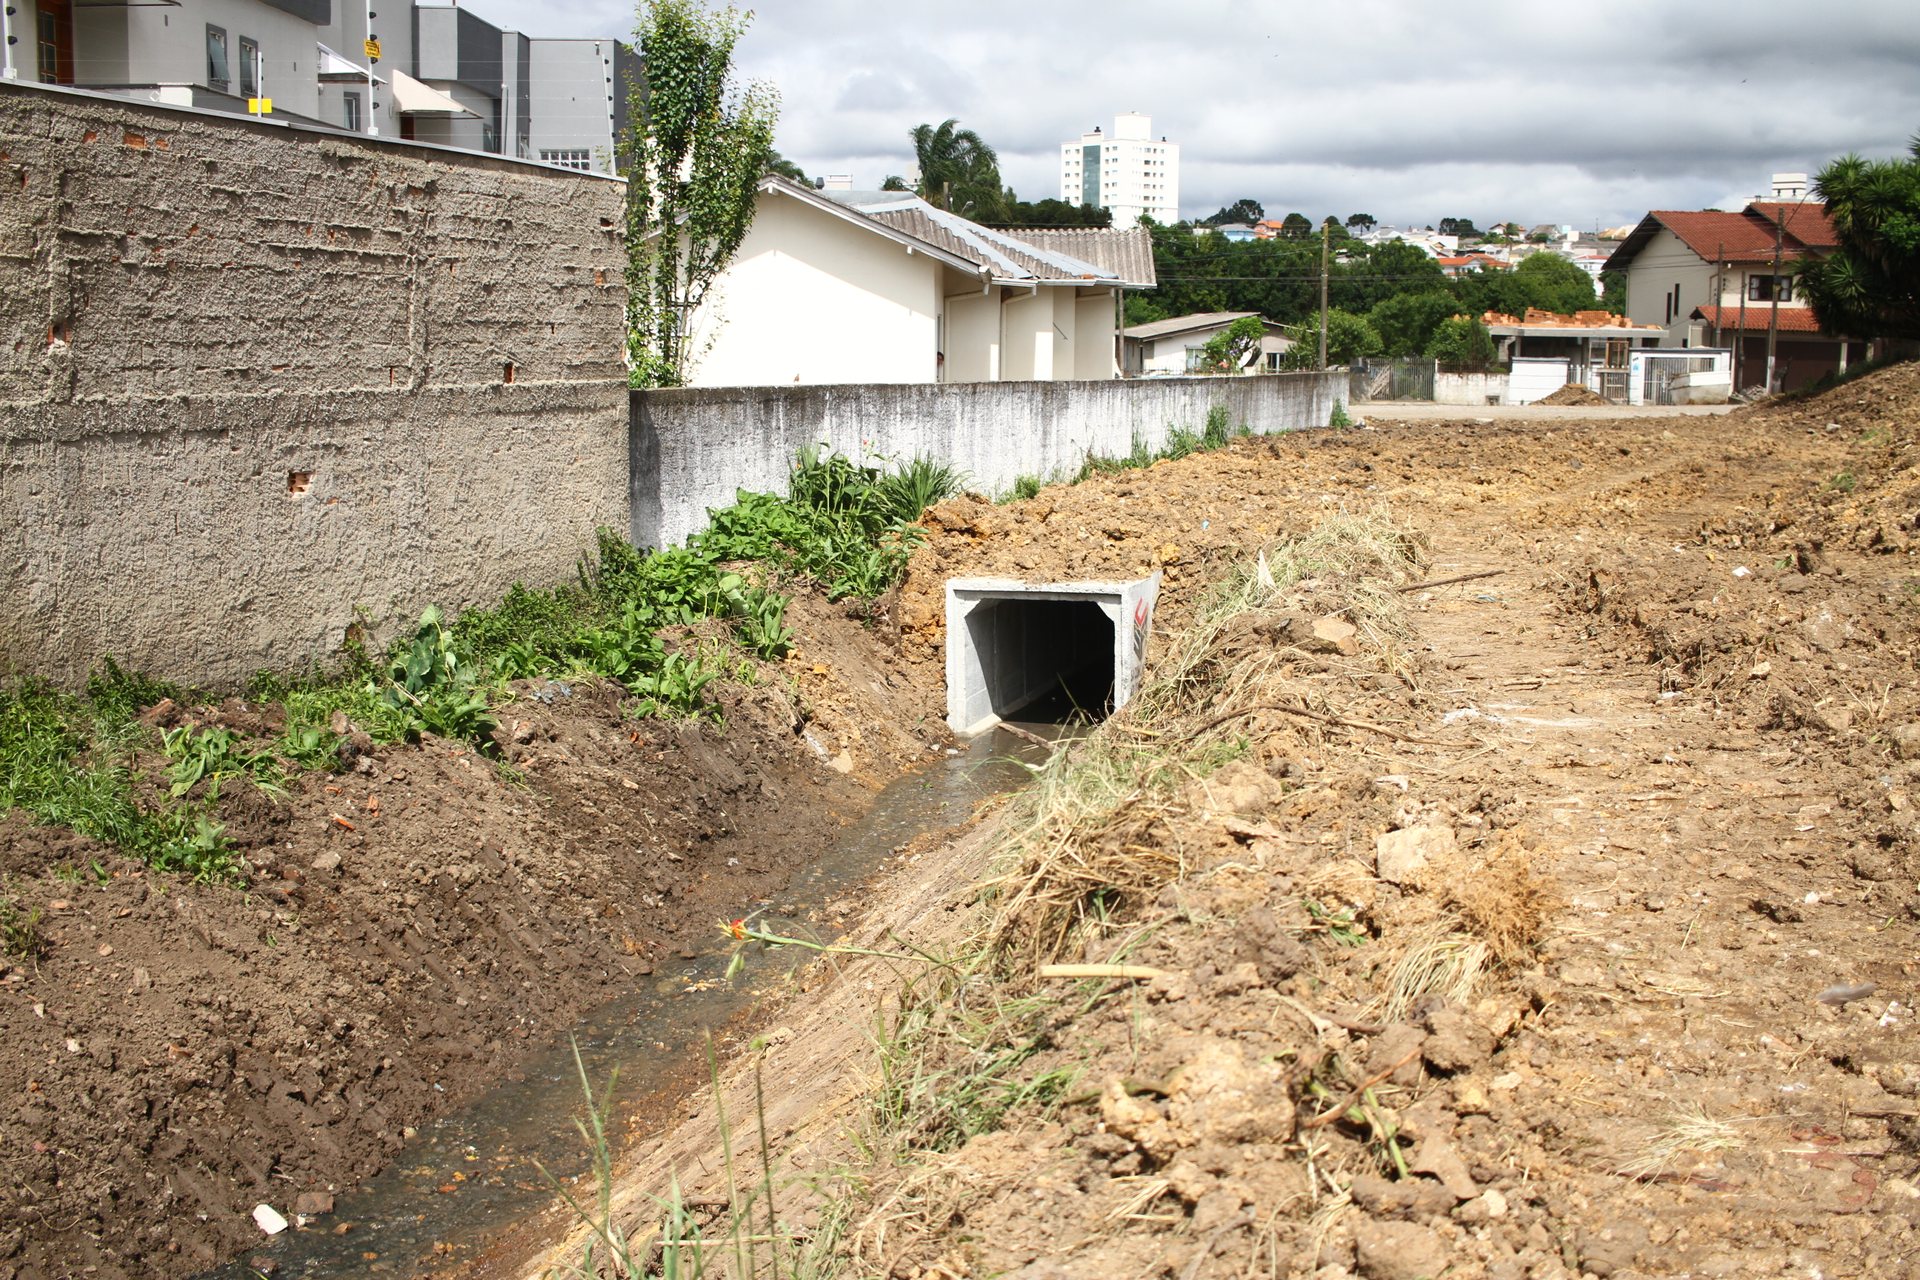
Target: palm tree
958	170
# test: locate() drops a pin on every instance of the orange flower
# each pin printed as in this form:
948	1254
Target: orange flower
736	929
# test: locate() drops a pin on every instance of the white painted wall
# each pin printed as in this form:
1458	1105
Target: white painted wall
972	335
1532	379
1665	262
165	45
1026	320
1472	388
812	299
572	98
1094	320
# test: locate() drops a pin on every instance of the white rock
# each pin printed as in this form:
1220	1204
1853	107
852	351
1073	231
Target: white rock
268	1219
1399	855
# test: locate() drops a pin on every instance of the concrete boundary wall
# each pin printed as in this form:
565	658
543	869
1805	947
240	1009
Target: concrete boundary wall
693	449
260	385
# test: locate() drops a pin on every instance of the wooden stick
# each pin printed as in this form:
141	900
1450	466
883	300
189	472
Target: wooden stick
1360	1091
1448	582
1135	972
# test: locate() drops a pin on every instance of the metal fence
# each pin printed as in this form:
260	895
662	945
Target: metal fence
1405	379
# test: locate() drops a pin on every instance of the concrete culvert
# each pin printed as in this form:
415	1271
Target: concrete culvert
1043	650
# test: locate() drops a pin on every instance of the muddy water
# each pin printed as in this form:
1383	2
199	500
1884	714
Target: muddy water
473	1177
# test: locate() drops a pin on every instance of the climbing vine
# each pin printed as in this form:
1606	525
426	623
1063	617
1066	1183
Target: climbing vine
694	151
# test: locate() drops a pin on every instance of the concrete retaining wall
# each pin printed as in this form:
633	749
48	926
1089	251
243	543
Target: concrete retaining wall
693	449
1470	388
254	380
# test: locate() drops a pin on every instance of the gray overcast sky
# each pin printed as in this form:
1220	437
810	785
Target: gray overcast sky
1491	111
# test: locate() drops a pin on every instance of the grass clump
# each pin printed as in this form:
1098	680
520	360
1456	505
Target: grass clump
20	935
1214	433
64	761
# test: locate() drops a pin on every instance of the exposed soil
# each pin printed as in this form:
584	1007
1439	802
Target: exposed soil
410	927
1652	744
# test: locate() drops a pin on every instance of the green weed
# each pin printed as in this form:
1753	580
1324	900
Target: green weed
434	685
1218	429
20	935
212	756
1338	418
1025	488
1842	482
55	767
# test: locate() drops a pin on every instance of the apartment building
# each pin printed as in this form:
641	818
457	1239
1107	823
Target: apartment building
1127	171
436	73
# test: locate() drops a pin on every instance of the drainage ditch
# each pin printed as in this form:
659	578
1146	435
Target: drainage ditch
471	1180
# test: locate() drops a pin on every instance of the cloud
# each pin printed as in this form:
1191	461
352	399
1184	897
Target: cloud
1386	106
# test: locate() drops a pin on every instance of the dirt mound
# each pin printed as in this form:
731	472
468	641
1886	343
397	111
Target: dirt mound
1571	933
177	1053
1573	393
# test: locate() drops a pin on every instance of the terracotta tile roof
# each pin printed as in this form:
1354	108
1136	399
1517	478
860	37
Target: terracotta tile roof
1759	318
1746	236
1808	223
1734	235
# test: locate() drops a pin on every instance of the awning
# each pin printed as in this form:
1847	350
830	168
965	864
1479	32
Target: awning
416	99
335	69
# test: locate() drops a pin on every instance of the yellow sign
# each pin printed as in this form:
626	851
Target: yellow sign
373	50
260	106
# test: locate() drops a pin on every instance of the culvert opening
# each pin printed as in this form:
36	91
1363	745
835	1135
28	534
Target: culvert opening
1043	651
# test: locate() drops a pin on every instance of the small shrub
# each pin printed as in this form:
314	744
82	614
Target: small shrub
1339	418
20	935
433	685
1026	487
908	492
1181	442
1842	482
1218	429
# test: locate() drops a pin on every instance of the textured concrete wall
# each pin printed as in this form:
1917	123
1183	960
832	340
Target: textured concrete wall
692	449
254	379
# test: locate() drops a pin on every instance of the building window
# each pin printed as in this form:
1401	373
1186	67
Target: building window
569	158
350	111
1763	288
217	75
49	48
249	67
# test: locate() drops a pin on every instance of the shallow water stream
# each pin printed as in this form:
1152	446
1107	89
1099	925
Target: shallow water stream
473	1176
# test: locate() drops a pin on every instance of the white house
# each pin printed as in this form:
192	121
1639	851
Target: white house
1174	345
880	286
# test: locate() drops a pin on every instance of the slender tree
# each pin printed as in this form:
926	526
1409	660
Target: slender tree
958	170
694	152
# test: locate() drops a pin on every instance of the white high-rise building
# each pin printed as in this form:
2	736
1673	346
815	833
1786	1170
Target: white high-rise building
1127	171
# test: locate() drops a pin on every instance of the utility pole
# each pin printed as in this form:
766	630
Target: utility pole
1773	319
368	48
1324	233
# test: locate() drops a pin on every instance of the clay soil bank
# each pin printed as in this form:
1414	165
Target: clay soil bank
1656	725
410	931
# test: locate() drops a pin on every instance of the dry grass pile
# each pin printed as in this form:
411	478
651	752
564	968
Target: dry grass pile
1085	839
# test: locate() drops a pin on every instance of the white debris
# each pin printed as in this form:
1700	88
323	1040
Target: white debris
268	1219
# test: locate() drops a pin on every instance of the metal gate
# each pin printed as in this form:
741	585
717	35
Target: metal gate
1405	379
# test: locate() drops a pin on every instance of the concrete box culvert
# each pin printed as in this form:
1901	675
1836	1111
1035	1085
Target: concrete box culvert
1012	643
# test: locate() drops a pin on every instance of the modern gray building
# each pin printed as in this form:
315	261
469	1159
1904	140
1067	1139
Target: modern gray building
430	72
